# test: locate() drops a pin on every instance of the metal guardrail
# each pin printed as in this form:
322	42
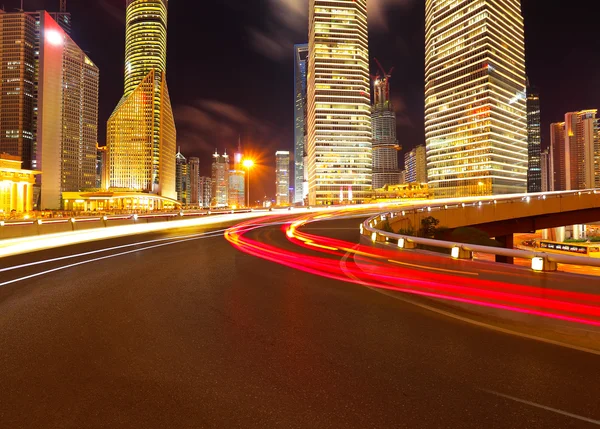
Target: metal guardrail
541	261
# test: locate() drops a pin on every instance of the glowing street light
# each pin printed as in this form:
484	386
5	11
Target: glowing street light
248	164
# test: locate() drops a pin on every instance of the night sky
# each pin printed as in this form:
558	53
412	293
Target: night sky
230	66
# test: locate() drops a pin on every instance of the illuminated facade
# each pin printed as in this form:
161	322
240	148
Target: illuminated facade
338	102
220	180
547	183
534	141
141	135
16	185
101	167
17	85
415	165
145	40
300	71
475	107
194	170
385	144
182	179
205	191
575	148
282	178
236	194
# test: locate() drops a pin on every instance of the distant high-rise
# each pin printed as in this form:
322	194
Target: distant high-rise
534	141
546	169
385	144
182	179
141	135
338	101
194	170
236	193
101	172
575	148
205	191
415	165
475	107
300	75
282	178
220	180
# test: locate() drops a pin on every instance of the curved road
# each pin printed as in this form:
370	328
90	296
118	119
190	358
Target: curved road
192	333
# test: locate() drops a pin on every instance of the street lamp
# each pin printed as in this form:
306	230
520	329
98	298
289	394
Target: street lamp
248	164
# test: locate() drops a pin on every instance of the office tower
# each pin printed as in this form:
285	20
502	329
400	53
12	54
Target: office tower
17	85
300	70
182	179
547	184
282	178
220	180
194	169
415	165
236	193
338	102
101	170
534	140
575	150
141	131
385	144
205	191
475	107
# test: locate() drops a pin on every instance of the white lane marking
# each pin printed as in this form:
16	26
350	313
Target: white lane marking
404	298
78	255
64	267
544	407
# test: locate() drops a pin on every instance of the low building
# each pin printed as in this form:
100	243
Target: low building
109	201
405	191
16	185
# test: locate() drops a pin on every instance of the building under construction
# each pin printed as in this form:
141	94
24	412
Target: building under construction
385	144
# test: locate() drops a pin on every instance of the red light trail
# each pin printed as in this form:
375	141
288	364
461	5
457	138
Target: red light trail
379	268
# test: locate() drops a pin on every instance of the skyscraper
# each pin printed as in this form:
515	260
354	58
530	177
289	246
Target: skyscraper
415	165
300	70
220	180
101	172
205	191
534	141
282	178
385	144
141	132
182	178
48	104
475	113
546	169
338	101
194	170
575	147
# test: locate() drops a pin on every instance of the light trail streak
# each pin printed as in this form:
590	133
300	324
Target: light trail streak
568	306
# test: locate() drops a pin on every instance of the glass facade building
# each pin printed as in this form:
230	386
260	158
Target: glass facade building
141	134
415	165
338	102
475	101
385	144
220	180
300	70
534	141
282	178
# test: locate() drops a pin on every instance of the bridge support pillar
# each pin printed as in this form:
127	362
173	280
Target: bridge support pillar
508	242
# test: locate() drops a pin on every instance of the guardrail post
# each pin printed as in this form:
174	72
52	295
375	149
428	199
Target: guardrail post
461	253
543	264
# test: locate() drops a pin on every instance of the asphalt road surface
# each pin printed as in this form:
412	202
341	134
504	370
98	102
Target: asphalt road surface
191	333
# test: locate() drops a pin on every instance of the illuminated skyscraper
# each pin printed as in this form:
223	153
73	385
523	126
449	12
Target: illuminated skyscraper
194	170
300	70
415	165
385	144
546	169
282	178
220	180
475	113
48	104
575	147
141	135
182	178
338	101
534	140
101	171
205	191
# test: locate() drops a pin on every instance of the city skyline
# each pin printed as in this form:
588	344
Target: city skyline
396	41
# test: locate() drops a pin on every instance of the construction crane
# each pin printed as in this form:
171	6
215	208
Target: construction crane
63	6
382	84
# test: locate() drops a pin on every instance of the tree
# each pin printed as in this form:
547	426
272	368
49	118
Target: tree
428	226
